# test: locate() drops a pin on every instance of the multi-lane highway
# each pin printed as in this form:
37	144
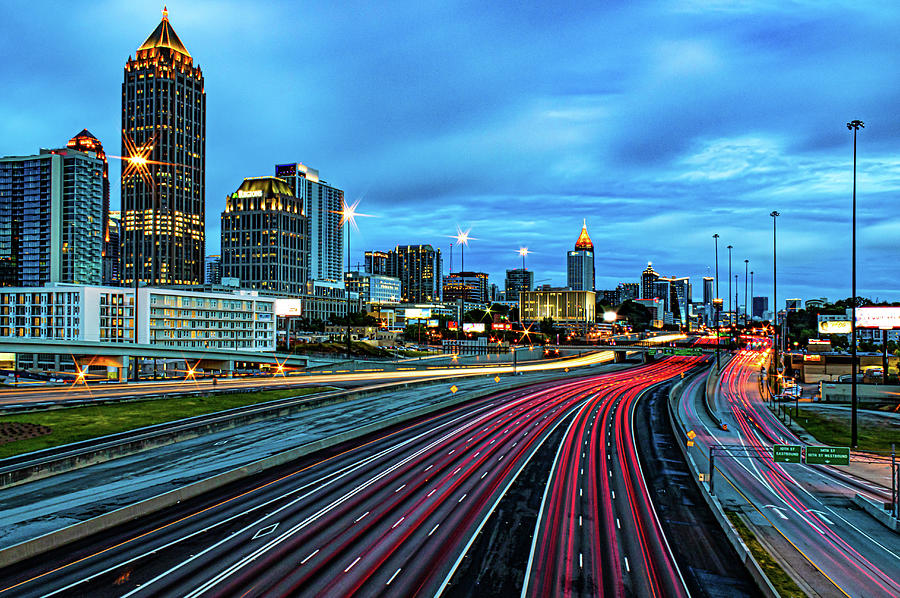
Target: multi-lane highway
396	514
344	375
803	513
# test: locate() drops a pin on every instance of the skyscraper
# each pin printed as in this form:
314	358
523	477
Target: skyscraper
163	191
264	237
50	218
468	286
648	282
517	280
580	263
708	290
213	270
322	203
419	269
376	262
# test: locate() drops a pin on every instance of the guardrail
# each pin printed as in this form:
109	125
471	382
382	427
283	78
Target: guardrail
711	382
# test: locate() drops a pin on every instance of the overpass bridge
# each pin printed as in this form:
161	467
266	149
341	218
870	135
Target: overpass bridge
117	355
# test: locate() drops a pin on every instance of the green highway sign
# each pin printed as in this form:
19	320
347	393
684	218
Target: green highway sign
786	453
827	455
688	352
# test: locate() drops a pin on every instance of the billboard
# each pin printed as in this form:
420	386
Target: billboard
501	326
433	323
286	308
451	325
473	326
835	326
415	313
878	317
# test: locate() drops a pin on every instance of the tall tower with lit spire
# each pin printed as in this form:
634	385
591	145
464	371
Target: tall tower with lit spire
580	263
164	182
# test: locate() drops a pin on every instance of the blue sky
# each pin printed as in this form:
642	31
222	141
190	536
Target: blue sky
661	123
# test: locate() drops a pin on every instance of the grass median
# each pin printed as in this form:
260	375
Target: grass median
832	427
781	581
81	423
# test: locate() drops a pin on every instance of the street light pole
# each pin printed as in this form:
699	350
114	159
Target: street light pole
347	290
717	302
731	313
746	268
751	295
775	214
855	126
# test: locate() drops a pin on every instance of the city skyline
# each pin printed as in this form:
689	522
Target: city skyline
741	130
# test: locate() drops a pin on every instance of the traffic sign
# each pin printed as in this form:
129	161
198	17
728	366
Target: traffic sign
786	453
688	352
827	455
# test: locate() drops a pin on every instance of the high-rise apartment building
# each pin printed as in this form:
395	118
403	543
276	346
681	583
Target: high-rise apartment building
580	263
517	280
377	262
322	204
708	290
264	241
648	282
86	142
163	190
373	288
51	227
471	287
419	269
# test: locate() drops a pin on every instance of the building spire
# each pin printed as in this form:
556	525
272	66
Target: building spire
165	13
584	241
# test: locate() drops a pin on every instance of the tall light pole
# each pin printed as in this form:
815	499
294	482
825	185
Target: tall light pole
775	214
746	269
751	295
462	240
731	313
855	126
717	301
348	216
523	251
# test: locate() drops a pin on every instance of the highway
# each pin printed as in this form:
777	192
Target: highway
804	513
395	515
344	376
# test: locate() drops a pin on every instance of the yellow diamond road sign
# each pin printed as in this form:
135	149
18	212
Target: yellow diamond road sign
691	434
453	388
496	378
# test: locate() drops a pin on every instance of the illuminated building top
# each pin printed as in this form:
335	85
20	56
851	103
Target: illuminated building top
584	241
165	37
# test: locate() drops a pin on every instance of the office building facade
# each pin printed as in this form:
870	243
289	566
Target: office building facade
374	288
213	270
51	227
471	287
563	306
580	263
322	204
419	269
164	193
627	291
264	242
760	306
517	280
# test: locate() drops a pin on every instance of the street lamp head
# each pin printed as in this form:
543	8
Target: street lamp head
775	213
716	236
731	247
523	251
856	125
746	261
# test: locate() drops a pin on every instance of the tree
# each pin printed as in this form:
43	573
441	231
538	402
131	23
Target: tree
636	314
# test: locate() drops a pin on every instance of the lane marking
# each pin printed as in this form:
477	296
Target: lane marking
618	524
399	521
360	517
392	577
265	531
434	528
627	566
311	555
400	488
461	498
353	563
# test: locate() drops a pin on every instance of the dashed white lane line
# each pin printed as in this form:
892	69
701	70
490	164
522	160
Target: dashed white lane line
434	528
579	521
397	572
451	451
400	488
399	521
311	555
456	471
357	520
484	474
613	492
581	560
618	525
461	498
430	493
350	566
429	467
627	566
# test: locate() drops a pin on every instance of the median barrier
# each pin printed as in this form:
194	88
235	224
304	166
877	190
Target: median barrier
711	383
877	510
765	586
52	540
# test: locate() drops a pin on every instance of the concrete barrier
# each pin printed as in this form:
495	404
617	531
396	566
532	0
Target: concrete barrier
877	510
36	546
734	538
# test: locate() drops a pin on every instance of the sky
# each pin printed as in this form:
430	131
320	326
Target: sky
659	123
